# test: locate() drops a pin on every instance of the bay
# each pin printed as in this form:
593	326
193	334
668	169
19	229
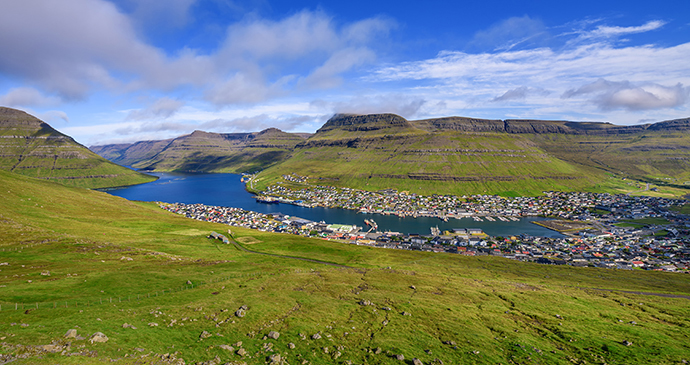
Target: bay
227	190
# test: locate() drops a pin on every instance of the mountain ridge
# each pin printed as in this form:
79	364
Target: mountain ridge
202	151
460	154
33	148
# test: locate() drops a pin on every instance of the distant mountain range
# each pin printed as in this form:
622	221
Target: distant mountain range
444	155
31	147
207	152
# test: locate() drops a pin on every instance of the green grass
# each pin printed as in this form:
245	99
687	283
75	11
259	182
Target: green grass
648	221
494	310
684	209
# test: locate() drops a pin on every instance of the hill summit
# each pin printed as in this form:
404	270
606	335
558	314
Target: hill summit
32	147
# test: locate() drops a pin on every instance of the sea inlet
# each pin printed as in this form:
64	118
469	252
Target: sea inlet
227	190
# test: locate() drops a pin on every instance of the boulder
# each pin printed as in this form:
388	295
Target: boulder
291	345
98	337
227	348
242	352
71	333
51	348
204	334
400	357
241	311
316	336
416	361
274	335
127	325
275	359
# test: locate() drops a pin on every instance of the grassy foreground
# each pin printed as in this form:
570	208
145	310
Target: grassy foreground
113	262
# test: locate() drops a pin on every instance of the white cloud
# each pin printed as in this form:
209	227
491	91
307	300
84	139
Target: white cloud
327	75
511	33
27	97
75	47
624	94
520	93
53	115
161	108
471	81
406	106
608	31
169	13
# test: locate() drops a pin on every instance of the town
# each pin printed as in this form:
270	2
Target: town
600	230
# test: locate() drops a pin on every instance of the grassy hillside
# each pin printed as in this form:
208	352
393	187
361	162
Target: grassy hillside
419	157
129	154
32	148
469	156
109	262
207	152
662	157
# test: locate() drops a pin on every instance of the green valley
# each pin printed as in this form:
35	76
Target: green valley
161	291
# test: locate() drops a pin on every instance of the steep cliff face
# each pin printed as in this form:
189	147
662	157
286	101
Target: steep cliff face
371	122
29	146
459	124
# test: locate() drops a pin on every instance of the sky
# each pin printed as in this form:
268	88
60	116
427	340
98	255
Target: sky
121	71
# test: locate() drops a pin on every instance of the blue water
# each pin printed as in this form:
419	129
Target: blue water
227	190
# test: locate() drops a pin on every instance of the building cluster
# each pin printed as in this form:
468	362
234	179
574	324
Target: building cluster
565	205
605	243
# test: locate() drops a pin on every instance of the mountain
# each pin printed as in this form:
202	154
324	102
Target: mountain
459	155
128	154
475	156
33	148
207	152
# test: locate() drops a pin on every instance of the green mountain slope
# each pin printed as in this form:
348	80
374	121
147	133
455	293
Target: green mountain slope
160	291
128	154
207	152
473	156
31	147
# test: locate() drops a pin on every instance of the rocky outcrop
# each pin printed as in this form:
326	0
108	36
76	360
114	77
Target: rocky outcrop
371	122
98	337
363	123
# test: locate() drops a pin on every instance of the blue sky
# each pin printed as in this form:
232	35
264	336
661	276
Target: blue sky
128	70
